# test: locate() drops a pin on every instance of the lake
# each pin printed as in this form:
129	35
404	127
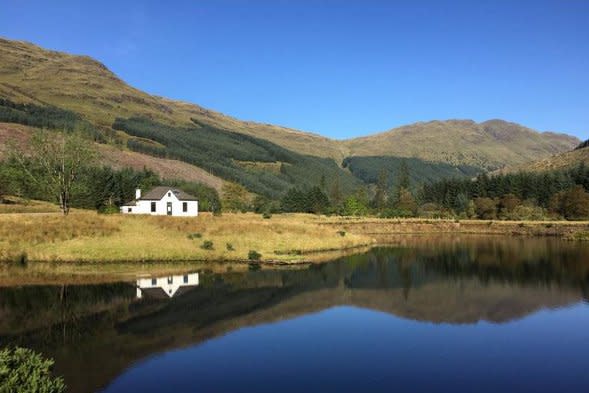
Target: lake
448	314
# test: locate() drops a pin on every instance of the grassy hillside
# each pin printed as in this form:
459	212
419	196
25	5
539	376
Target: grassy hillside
227	154
30	74
488	145
566	160
44	88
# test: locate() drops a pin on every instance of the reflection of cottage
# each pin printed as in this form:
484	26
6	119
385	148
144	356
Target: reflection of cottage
166	287
162	201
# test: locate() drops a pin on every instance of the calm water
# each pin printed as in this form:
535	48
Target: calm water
445	315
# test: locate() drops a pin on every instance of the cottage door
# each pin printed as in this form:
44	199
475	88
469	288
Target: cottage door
169	208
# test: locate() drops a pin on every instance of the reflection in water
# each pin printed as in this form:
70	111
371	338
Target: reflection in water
95	332
168	286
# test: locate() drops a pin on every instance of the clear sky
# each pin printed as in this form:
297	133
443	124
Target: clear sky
338	68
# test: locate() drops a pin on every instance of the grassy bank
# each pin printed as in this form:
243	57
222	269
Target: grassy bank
89	237
288	238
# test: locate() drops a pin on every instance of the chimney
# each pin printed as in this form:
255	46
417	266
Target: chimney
137	193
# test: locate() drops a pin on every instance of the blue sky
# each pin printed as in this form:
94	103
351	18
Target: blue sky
338	68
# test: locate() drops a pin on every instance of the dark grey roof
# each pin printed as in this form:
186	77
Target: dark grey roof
158	193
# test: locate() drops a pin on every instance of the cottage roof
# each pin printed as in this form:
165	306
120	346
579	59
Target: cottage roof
159	192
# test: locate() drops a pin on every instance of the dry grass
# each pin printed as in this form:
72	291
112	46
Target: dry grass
288	238
11	204
21	232
85	236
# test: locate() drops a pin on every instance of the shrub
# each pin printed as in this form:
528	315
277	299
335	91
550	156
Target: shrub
23	370
341	233
253	255
230	247
266	215
109	210
207	245
192	236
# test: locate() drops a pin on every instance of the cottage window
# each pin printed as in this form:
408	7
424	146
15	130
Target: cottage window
169	194
170	280
154	281
184	207
129	210
153	207
185	279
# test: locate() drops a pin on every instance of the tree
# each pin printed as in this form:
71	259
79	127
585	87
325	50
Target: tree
235	197
485	208
316	201
403	177
380	197
572	204
507	204
406	205
335	193
56	161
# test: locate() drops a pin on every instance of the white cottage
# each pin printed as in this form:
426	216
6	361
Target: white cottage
166	287
162	201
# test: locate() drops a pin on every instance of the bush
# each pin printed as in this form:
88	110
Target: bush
253	255
266	215
192	236
207	245
230	247
112	209
23	370
342	233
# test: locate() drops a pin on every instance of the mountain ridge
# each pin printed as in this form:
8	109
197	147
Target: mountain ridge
81	84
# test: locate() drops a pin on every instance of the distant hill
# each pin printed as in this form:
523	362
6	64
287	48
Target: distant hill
489	145
566	160
44	88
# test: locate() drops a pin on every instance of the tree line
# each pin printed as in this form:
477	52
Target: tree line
61	167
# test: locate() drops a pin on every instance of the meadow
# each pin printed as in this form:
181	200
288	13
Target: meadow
85	236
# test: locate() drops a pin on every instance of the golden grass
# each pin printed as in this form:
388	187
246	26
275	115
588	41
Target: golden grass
18	205
286	238
86	236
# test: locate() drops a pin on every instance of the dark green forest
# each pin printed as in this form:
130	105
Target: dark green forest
422	172
224	153
562	193
48	117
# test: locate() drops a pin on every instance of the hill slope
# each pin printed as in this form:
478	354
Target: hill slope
566	160
119	159
79	89
488	145
31	74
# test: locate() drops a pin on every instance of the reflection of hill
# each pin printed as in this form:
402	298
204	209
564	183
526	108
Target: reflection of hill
103	329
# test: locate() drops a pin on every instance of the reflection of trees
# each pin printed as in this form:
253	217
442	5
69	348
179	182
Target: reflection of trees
103	327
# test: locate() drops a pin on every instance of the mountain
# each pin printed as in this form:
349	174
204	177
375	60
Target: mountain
488	145
44	88
567	160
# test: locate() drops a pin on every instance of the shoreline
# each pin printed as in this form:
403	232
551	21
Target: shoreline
283	240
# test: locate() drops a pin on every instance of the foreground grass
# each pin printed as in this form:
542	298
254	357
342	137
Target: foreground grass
87	236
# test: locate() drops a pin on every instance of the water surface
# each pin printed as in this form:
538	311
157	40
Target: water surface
450	314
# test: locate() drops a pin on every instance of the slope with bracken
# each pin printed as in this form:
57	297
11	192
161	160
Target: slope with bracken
280	157
561	161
